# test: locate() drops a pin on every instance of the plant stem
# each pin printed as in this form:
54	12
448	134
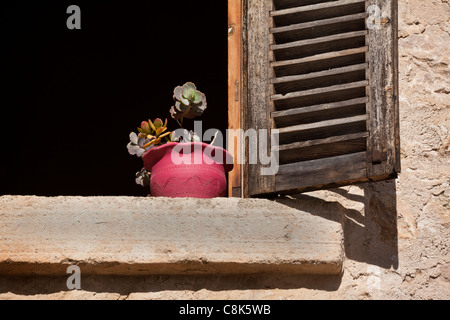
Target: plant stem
180	123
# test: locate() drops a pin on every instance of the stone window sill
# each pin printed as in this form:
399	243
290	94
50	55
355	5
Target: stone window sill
147	236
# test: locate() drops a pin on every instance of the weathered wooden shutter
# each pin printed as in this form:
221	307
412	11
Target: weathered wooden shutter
324	73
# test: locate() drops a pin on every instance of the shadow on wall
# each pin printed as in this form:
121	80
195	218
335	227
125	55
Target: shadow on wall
369	220
125	285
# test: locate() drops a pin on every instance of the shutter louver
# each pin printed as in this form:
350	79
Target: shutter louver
318	93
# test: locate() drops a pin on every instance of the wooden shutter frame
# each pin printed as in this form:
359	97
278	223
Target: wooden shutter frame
383	143
235	87
257	74
383	148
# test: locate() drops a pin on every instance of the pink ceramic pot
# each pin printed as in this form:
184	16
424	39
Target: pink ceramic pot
188	170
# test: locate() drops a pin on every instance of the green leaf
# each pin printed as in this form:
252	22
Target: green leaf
175	113
198	97
182	107
160	131
185	101
178	93
152	125
189	90
145	126
165	135
158	123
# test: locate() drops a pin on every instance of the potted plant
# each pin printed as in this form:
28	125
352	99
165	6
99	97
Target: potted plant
176	163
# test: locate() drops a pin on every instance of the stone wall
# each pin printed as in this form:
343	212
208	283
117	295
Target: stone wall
396	234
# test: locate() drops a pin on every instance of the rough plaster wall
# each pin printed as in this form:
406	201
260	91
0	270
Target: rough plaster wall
396	233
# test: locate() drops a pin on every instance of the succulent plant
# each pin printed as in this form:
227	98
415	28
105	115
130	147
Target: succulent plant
151	134
154	131
136	145
189	102
143	178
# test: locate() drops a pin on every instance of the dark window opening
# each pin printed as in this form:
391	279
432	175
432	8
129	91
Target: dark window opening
70	98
